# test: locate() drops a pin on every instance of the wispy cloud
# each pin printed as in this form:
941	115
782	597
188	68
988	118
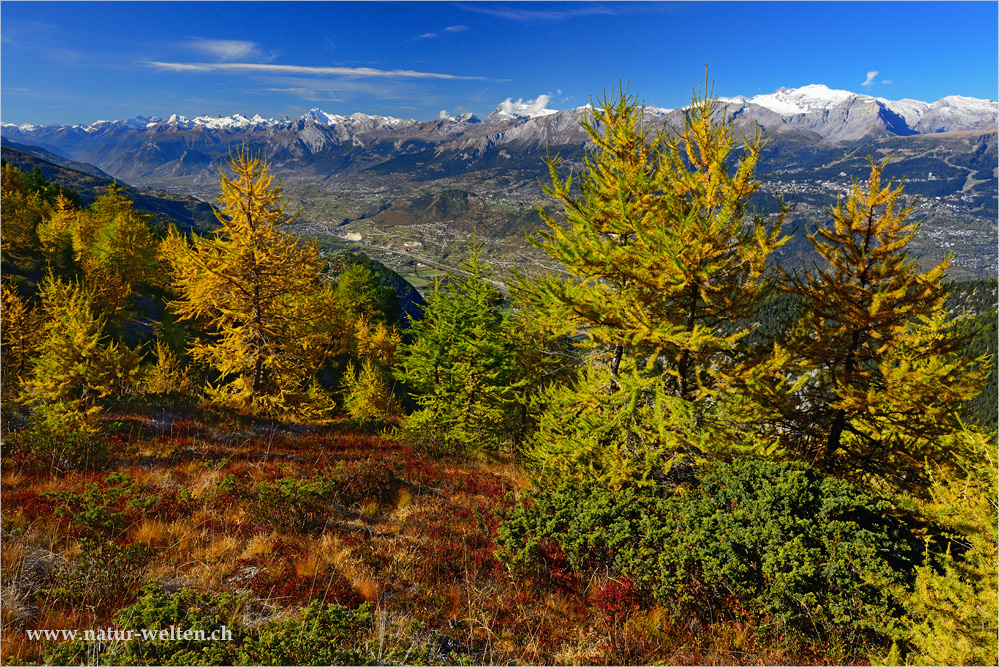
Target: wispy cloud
517	14
226	50
870	79
266	68
434	35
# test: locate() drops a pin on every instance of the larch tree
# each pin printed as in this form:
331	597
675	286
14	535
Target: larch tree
257	289
75	362
883	373
663	249
18	337
114	247
22	210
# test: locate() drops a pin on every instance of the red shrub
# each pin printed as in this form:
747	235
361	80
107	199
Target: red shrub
618	598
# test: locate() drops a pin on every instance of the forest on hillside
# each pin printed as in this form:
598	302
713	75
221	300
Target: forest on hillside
674	451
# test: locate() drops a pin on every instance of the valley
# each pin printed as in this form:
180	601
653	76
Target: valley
419	193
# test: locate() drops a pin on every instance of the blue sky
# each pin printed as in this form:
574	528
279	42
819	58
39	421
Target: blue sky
83	61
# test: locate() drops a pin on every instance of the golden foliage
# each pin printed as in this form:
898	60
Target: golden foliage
256	289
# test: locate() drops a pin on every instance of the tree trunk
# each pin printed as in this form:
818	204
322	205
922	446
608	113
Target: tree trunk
839	416
683	364
616	361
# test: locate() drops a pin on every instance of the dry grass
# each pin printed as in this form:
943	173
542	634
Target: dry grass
221	548
309	565
12	479
152	533
366	587
259	544
182	536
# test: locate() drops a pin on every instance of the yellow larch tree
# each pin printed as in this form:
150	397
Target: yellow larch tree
884	376
256	288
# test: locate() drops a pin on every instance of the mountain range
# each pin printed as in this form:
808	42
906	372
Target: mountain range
383	179
179	145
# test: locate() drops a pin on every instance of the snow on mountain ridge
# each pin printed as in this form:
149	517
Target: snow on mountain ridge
795	101
793	104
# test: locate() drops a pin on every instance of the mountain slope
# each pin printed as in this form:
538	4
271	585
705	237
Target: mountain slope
375	178
185	211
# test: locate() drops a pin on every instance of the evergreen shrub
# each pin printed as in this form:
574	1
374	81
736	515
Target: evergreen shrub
320	635
57	438
779	540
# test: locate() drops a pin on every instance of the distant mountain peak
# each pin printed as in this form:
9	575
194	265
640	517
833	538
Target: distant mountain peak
803	100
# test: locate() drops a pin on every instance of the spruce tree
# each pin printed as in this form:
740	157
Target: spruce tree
461	365
257	290
883	375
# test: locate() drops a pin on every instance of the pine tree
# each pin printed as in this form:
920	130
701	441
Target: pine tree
663	249
257	290
883	374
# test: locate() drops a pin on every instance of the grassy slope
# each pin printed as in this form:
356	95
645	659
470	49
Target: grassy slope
412	535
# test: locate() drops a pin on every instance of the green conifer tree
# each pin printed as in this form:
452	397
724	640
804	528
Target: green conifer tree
461	365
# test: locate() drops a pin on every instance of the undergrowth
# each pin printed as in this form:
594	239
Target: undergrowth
337	546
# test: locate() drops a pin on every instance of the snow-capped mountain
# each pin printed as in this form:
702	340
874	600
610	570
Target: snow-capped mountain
840	115
795	101
150	147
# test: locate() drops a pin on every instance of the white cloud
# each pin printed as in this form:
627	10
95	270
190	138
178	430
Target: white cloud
304	70
522	108
870	79
226	50
434	35
886	82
